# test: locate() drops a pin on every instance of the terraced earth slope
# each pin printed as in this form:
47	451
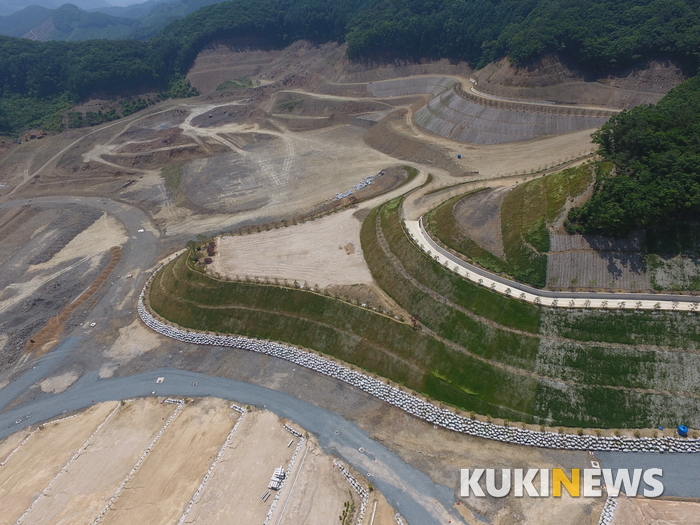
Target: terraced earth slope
519	232
462	345
459	116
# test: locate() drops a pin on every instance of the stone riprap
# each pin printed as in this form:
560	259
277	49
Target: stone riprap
416	406
364	495
608	513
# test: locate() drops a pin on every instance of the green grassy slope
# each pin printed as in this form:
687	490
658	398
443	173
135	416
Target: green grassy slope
374	342
526	212
475	349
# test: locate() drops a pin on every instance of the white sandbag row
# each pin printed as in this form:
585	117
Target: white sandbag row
292	431
417	406
213	465
364	495
19	446
24	441
608	513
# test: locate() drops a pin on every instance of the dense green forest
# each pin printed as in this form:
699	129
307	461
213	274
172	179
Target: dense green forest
656	180
597	35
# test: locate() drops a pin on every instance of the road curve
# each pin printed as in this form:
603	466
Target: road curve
411	492
138	255
507	287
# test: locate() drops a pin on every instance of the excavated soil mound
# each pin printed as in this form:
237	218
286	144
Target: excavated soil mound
393	137
173	137
233	114
164	120
164	156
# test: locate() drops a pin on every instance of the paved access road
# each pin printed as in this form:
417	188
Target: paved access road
629	301
415	496
412	493
680	471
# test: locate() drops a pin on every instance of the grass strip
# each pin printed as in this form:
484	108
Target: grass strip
357	336
501	310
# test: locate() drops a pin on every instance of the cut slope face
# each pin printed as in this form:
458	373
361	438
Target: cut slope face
454	117
550	79
433	85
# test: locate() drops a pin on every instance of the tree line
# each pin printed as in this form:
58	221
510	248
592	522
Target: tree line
656	181
599	35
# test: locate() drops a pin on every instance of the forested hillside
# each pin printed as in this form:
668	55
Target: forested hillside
598	35
656	153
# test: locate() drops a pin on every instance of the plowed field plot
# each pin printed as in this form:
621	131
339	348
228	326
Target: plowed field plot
144	461
30	471
82	492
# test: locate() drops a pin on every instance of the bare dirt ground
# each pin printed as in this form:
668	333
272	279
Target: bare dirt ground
321	252
479	217
51	256
161	488
71	471
258	447
644	511
59	383
441	454
133	340
81	493
32	468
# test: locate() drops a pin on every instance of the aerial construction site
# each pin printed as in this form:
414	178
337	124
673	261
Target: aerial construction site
281	205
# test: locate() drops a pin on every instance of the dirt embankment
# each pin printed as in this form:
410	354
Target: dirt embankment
229	60
394	137
479	217
40	343
549	78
